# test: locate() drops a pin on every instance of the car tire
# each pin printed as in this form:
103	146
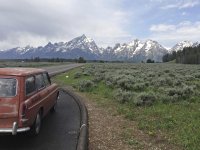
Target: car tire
54	108
35	129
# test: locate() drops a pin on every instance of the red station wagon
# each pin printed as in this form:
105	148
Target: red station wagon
26	96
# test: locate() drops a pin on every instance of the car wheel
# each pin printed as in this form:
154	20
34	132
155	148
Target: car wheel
54	108
35	129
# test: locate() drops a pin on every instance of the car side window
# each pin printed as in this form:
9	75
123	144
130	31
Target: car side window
46	79
30	85
39	81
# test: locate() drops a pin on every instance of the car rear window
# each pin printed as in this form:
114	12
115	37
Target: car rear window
8	87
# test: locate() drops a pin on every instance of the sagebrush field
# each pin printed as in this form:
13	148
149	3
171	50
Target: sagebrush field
162	98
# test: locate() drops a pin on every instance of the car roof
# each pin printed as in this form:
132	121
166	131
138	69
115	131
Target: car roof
20	71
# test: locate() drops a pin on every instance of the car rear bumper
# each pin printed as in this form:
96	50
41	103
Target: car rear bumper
14	130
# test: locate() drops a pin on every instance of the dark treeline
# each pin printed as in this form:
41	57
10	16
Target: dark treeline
75	60
189	55
38	59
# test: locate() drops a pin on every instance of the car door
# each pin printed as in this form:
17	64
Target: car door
52	90
31	99
42	92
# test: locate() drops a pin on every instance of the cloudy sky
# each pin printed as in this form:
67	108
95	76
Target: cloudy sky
36	22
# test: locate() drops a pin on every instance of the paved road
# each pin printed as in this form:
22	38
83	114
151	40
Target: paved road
59	130
56	69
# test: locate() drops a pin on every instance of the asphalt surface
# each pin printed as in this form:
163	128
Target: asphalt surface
62	68
59	130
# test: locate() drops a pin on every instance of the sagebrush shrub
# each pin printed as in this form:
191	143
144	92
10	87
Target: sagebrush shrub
122	96
197	75
178	82
189	77
140	86
85	85
171	99
77	75
98	77
86	73
125	83
180	93
174	91
166	71
145	99
188	90
163	81
151	74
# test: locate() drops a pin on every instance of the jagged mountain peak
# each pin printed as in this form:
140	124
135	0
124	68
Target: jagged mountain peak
49	44
149	44
134	42
82	38
181	45
84	43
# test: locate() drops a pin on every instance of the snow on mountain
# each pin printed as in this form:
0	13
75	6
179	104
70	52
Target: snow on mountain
83	43
181	45
23	50
128	50
154	50
195	44
139	51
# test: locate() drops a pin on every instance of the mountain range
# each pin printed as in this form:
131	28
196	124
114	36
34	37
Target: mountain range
83	46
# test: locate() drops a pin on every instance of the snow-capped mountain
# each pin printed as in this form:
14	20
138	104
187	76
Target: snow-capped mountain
83	46
138	51
179	46
79	46
83	43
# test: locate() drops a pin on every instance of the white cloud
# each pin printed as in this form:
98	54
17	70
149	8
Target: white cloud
189	4
183	31
181	4
162	28
35	22
22	38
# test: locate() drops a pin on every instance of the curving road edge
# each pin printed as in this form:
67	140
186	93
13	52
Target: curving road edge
82	143
83	134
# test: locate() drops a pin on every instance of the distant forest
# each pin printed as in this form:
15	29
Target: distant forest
189	55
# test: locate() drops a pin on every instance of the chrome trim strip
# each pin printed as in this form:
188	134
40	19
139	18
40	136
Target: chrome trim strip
14	130
24	120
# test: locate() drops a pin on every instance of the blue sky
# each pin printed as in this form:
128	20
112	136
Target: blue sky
25	22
